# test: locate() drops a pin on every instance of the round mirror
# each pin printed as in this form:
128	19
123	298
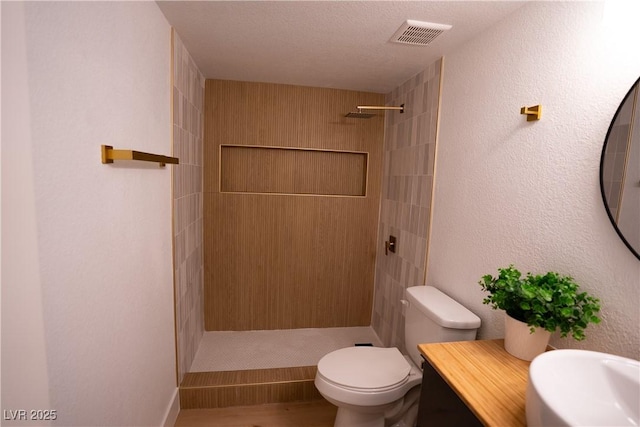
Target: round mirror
620	170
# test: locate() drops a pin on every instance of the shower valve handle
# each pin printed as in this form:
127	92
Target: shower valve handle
390	245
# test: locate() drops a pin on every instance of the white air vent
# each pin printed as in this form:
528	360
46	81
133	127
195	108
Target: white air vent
418	32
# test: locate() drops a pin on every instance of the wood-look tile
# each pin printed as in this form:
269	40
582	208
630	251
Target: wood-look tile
319	413
253	394
288	261
249	376
249	387
277	170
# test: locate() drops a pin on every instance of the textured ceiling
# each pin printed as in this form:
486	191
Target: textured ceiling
337	44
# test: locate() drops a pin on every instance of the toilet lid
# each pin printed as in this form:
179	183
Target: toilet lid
365	367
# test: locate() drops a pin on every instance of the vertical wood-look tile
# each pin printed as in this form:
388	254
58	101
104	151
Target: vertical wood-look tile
275	261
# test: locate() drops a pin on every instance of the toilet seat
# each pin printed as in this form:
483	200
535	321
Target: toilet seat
365	368
367	389
365	376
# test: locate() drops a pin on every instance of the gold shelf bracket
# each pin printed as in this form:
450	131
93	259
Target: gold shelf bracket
533	113
109	155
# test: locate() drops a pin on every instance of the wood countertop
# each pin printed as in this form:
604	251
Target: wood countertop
490	381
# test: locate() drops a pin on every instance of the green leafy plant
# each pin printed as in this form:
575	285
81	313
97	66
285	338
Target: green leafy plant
549	301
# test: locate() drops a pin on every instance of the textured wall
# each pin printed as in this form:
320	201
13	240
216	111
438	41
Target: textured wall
87	300
512	191
410	142
188	99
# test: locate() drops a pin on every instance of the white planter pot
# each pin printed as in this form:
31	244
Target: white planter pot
520	342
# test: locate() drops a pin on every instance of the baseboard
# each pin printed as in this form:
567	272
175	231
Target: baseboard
171	415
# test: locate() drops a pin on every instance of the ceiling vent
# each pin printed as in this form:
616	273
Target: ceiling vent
418	32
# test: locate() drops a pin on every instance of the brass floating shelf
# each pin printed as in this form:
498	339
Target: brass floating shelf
533	113
109	155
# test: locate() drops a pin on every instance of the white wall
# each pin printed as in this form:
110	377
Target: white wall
87	294
511	191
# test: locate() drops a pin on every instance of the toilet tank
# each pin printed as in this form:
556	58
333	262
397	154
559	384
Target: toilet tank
433	316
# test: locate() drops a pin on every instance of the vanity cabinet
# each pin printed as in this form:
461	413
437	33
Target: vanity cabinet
439	405
472	383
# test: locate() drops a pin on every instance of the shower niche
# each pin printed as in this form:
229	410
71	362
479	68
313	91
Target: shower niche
283	170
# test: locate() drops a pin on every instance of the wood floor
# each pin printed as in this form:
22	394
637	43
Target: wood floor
318	413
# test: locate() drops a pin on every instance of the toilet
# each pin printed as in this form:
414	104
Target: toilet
380	387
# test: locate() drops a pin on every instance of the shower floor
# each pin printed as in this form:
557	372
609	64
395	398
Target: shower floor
231	351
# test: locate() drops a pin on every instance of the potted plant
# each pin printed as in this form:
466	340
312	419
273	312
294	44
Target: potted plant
541	304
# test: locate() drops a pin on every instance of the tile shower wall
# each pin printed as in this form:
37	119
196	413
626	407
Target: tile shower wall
410	142
282	261
188	98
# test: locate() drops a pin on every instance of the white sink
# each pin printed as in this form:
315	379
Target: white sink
583	388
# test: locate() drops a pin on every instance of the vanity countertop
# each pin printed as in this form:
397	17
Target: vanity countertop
490	381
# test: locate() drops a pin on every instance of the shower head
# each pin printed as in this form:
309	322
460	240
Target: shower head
359	115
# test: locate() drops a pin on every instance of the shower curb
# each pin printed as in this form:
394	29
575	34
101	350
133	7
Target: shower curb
223	389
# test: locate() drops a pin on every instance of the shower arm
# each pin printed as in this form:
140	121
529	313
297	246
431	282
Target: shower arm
378	107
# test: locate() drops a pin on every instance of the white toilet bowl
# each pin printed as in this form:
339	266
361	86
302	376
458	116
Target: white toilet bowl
369	385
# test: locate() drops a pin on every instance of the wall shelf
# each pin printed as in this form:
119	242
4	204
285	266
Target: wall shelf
109	154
